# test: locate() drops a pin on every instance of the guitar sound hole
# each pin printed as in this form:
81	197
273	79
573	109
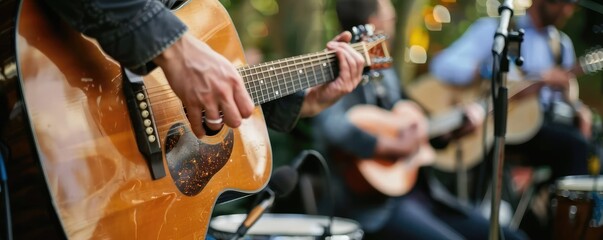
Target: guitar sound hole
209	131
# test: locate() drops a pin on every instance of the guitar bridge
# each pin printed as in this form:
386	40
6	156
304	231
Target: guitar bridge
143	124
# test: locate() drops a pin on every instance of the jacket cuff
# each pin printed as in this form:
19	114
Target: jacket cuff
136	45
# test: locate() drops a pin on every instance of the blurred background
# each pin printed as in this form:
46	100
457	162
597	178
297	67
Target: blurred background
275	29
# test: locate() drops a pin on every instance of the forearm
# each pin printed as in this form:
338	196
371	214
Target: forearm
459	64
337	130
312	105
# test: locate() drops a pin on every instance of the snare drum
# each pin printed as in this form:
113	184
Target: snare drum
573	208
285	226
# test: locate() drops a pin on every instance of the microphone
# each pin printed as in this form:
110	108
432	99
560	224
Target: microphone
281	183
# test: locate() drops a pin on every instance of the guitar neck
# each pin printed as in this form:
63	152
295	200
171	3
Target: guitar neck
272	80
276	79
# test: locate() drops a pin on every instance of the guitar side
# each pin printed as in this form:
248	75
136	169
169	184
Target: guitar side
99	183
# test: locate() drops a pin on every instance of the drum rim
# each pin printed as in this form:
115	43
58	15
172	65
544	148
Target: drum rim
241	216
570	183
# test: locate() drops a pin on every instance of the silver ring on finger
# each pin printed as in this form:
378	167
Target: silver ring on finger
214	121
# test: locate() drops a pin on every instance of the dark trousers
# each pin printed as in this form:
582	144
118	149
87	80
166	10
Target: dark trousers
418	216
560	146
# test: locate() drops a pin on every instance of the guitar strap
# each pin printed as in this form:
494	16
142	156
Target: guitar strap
554	42
559	110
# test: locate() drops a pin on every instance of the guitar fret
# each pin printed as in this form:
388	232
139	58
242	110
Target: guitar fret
319	63
270	78
248	84
313	66
261	84
278	71
267	82
279	91
330	69
256	86
291	78
261	76
275	90
307	83
285	82
299	73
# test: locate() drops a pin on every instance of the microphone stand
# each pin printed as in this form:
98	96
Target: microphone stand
500	67
298	162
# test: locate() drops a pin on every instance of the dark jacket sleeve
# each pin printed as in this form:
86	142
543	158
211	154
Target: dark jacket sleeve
282	114
132	32
333	128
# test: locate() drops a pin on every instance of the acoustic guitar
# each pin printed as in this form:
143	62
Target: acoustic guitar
524	116
96	153
382	176
387	177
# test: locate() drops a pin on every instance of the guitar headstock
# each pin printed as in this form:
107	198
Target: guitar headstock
592	62
372	46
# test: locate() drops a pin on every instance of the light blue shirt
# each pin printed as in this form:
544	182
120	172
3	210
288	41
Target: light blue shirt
472	53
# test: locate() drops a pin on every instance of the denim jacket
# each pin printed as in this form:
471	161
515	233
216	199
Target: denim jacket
133	32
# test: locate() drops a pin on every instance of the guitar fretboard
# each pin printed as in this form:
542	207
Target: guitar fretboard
272	80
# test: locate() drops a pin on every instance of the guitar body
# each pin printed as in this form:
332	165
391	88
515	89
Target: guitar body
385	176
524	117
74	150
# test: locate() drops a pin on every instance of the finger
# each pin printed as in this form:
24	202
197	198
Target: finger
360	63
351	58
212	116
356	61
344	67
345	36
196	121
230	112
243	101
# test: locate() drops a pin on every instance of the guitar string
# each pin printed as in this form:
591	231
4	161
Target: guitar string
327	55
315	76
166	121
356	46
161	123
271	79
320	56
288	88
275	81
279	84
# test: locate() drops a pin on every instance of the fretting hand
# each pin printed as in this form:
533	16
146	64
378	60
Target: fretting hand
351	64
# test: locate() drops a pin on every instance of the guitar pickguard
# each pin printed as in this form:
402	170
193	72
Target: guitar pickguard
192	162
